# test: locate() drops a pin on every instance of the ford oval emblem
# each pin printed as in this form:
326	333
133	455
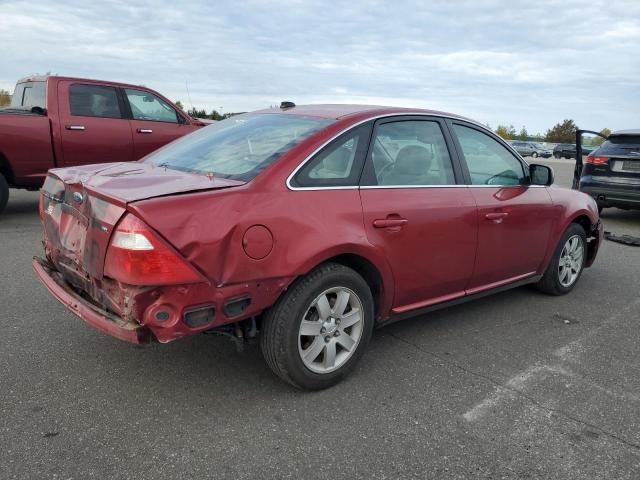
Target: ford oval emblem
77	197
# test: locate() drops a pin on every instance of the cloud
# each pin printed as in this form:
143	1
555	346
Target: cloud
533	63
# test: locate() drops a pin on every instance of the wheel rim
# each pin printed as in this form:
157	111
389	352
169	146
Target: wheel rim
570	263
330	330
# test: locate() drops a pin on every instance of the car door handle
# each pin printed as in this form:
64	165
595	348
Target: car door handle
144	130
390	222
74	127
496	217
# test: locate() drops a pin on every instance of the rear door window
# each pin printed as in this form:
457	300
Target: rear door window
409	152
94	101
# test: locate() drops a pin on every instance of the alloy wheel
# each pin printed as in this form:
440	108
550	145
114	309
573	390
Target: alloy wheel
571	259
330	330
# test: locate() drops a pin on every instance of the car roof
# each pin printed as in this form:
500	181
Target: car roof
635	131
339	111
44	78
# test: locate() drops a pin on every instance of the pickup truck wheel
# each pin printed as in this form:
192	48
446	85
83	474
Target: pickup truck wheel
315	334
534	155
567	263
4	192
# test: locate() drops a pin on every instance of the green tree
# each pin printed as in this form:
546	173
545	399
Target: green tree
508	133
179	105
564	132
5	98
523	135
599	140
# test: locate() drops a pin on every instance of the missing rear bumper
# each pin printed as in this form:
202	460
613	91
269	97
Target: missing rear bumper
93	315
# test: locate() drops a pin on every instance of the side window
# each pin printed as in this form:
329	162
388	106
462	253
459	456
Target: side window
145	106
339	164
489	162
93	101
409	153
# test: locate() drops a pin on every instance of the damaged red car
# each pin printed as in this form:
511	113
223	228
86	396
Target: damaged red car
304	227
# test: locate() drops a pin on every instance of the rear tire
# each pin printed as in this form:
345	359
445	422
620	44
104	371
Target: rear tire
534	155
309	344
567	263
4	192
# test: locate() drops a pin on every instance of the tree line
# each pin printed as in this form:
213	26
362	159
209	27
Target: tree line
5	98
202	113
563	132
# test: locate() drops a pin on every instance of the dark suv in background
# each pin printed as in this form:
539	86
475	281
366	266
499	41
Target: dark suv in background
568	150
611	173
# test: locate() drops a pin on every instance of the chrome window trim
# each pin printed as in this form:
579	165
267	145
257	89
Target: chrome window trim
369	119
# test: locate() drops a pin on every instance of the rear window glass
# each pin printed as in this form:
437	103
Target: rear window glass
620	145
28	95
94	101
239	147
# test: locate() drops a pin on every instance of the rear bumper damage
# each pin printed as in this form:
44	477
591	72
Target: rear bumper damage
143	314
95	316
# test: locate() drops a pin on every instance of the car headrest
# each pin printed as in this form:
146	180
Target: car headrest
413	160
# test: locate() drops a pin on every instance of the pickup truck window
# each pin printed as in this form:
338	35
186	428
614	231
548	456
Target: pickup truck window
29	94
145	106
94	101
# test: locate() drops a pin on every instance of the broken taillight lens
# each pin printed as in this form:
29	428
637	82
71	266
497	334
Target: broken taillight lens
136	256
591	160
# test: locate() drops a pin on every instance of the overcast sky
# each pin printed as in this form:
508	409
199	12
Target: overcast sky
533	63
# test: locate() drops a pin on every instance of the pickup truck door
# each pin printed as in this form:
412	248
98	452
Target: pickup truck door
93	124
154	122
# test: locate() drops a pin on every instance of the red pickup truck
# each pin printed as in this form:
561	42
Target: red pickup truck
60	122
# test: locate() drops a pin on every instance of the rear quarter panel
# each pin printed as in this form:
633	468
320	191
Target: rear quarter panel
308	227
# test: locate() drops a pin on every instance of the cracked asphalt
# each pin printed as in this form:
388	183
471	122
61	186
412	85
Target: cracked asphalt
517	385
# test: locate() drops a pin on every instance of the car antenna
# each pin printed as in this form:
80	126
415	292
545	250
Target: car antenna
286	104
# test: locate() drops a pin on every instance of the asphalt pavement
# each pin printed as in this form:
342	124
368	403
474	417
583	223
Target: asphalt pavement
516	385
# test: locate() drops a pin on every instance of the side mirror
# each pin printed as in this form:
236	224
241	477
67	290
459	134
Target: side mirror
540	174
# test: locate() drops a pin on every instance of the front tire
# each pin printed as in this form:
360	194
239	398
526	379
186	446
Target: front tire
4	192
534	155
315	334
567	262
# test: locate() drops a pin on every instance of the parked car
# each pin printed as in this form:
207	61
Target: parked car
304	228
528	149
568	150
62	122
544	151
611	173
564	150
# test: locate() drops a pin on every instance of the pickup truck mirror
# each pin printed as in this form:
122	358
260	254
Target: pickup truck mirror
39	110
540	174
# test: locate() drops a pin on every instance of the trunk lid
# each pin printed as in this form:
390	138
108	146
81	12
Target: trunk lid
82	205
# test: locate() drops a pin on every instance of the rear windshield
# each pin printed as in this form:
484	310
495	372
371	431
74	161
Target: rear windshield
28	95
239	147
620	145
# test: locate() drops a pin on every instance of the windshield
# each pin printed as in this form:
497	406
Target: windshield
28	95
239	147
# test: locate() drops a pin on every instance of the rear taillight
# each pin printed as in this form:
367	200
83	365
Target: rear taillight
138	257
591	160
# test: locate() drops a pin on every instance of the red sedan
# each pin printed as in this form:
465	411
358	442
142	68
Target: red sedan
304	228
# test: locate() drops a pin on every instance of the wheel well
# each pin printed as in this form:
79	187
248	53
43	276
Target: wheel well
5	169
585	223
368	271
